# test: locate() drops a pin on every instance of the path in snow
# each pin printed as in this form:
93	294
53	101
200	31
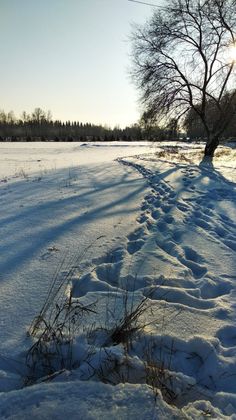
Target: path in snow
186	220
181	254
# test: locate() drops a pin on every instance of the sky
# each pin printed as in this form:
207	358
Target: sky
71	57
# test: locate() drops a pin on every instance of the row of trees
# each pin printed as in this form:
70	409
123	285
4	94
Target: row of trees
39	125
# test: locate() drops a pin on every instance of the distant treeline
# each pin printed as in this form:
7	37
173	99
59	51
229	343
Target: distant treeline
40	126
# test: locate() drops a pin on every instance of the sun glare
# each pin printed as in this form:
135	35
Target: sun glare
232	53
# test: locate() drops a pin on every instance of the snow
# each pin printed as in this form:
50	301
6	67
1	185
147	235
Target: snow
143	226
84	400
49	216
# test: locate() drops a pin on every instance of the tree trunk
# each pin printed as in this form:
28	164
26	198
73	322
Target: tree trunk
211	145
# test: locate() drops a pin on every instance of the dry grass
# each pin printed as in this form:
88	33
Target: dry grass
129	324
174	154
110	359
54	335
57	324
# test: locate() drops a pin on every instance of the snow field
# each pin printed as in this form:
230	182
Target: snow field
177	257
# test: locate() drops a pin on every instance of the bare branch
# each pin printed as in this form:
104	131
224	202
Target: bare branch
181	61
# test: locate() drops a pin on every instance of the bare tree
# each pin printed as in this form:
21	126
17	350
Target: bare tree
38	115
184	57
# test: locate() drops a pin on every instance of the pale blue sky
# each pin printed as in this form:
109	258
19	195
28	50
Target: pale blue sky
70	56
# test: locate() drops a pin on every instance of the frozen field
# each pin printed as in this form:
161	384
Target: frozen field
145	237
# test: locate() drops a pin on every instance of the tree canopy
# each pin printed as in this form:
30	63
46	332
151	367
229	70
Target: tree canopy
185	58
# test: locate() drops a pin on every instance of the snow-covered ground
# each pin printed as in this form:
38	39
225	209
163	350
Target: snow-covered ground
151	238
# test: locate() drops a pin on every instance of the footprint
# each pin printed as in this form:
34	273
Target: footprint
150	225
227	336
177	236
176	295
182	207
109	273
208	212
221	232
155	214
169	219
166	208
197	269
157	203
212	289
142	218
210	206
161	226
148	197
167	246
166	188
137	234
197	213
224	217
192	255
134	246
231	244
116	255
201	223
113	256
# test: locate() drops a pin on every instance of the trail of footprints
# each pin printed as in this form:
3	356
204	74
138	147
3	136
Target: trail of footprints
203	213
159	213
164	216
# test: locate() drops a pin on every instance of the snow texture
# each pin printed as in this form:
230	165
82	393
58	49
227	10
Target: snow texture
148	225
